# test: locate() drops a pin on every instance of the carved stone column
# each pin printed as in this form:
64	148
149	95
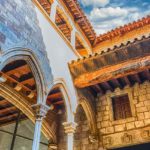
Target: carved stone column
73	37
53	10
70	128
40	111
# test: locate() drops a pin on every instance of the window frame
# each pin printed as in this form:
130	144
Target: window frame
121	92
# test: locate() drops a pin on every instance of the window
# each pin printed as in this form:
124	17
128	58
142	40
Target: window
121	107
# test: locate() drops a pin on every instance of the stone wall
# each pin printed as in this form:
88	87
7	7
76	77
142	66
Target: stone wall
19	27
124	132
82	135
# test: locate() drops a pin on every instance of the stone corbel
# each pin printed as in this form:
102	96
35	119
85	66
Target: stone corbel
70	127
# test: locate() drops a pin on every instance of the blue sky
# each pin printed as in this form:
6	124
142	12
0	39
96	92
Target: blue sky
106	15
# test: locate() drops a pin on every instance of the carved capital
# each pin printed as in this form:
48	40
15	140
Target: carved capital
40	110
70	127
52	147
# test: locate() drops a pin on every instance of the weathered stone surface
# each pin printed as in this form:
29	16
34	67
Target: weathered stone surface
19	28
130	125
139	124
119	128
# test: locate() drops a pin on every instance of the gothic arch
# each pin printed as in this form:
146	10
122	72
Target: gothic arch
21	103
90	114
63	88
32	61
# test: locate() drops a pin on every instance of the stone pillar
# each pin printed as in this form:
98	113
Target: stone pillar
53	10
40	111
73	37
70	128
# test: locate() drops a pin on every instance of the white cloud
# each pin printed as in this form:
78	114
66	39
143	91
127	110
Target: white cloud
95	3
108	18
102	14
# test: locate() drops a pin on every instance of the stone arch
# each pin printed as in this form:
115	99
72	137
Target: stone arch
32	61
22	104
63	88
90	114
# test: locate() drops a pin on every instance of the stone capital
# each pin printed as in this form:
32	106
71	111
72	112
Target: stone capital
52	147
70	127
40	110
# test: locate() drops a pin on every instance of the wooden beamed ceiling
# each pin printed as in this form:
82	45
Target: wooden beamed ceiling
18	75
8	112
55	98
46	5
111	85
81	19
62	25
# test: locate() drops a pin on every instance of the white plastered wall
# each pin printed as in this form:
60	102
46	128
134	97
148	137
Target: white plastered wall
59	54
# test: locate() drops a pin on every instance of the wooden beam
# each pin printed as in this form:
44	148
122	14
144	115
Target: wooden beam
23	68
59	102
8	117
108	86
3	102
113	72
55	96
7	109
118	83
127	81
137	78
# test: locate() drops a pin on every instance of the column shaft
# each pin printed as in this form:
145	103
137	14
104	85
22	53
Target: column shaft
37	134
70	141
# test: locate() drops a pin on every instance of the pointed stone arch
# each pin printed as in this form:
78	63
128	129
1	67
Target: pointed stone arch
90	114
28	56
22	104
60	83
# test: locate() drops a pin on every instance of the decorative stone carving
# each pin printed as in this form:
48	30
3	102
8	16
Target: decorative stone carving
127	138
70	127
107	141
40	110
145	134
52	147
93	139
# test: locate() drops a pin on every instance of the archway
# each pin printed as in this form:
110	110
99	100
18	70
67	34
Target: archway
60	112
23	85
85	135
29	61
